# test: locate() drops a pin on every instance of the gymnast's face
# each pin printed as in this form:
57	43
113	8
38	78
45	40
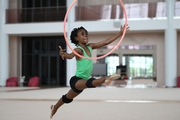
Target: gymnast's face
82	37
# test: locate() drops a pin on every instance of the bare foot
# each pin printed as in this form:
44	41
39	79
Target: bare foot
108	81
112	77
52	111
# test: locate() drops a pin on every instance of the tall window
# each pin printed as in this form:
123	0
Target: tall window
112	61
43	10
138	10
43	3
139	65
40	57
177	9
161	9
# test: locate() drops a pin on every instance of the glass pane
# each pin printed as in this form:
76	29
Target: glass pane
61	2
53	46
45	3
29	3
44	70
177	9
28	46
38	3
53	3
112	62
27	63
36	65
161	9
138	10
53	70
106	12
149	67
37	46
44	46
141	66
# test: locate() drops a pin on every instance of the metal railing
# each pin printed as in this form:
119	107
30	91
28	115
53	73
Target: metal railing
91	12
133	10
29	15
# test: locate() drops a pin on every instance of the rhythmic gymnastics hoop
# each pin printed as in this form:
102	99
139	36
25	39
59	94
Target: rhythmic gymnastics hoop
96	58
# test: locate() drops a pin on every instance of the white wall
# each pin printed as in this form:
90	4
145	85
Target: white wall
99	30
92	26
34	29
142	32
54	28
178	54
155	38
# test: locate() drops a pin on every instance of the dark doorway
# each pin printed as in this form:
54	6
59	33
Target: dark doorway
40	56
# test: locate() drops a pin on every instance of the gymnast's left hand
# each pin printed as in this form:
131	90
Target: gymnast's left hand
123	27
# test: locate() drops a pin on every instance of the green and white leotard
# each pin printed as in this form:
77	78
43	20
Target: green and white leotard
84	66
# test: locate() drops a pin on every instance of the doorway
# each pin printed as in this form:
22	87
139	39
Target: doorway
40	57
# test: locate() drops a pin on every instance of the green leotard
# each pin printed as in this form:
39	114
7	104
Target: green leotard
84	66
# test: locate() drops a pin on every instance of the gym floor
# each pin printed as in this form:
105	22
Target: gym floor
102	103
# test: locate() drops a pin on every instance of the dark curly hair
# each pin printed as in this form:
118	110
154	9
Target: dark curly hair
74	34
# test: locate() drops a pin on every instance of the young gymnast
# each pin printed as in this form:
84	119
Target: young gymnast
82	80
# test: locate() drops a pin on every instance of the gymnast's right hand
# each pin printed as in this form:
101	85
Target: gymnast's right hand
62	52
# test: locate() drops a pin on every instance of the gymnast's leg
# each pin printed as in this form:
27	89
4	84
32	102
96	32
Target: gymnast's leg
68	98
91	83
77	86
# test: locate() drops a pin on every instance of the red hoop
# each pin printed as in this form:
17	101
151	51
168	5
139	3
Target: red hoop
96	58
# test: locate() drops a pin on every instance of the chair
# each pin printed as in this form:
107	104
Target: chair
12	82
33	82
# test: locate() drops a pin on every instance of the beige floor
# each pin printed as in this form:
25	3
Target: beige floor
102	103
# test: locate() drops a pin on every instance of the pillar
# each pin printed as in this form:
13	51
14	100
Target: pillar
4	44
170	47
70	64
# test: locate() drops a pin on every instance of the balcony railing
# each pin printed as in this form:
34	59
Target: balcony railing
91	12
133	10
35	15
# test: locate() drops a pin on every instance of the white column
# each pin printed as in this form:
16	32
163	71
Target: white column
4	45
170	47
71	64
